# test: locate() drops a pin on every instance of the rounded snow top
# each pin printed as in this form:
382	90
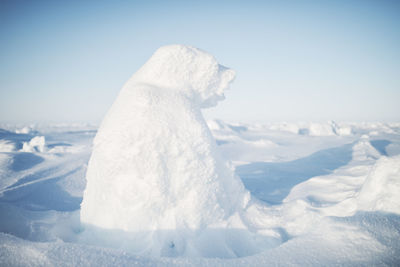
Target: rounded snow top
192	71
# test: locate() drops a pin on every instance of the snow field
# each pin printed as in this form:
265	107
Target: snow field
333	215
159	188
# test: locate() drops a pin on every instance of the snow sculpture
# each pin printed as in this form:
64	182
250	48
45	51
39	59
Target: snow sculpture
155	172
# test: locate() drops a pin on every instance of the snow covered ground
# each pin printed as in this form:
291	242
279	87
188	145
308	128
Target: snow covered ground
328	195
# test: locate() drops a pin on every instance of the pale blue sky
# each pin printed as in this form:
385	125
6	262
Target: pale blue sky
295	60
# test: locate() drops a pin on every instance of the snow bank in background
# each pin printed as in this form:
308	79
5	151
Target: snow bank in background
286	127
326	129
382	186
343	130
318	129
330	128
156	183
375	128
36	144
24	130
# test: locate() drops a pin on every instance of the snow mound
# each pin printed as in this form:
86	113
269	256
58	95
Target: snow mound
363	150
382	186
24	130
341	129
155	178
36	144
321	129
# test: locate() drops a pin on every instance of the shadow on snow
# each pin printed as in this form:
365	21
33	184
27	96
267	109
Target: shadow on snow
272	181
208	243
23	161
41	195
380	145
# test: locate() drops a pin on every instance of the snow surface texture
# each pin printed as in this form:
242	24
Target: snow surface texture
328	200
156	178
382	186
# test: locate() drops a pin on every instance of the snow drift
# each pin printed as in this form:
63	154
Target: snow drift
155	177
382	186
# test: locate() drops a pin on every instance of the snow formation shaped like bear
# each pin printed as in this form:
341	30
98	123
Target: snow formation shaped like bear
155	173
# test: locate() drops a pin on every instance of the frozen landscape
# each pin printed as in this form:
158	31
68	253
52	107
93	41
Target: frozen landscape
279	146
328	195
157	185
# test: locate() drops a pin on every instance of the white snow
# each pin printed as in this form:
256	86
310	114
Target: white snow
309	193
319	129
155	170
24	130
380	191
6	146
334	201
36	144
286	127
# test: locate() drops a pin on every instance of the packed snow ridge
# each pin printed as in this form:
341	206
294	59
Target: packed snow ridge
156	183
